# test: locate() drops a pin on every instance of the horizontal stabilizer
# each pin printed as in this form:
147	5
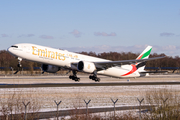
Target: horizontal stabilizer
154	72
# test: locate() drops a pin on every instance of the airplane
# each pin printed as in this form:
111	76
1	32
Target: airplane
53	60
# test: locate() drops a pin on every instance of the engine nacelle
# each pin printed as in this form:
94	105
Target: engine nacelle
86	66
50	68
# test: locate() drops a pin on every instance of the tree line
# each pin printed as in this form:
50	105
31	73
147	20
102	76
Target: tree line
7	60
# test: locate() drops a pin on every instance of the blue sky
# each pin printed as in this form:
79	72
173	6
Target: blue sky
96	25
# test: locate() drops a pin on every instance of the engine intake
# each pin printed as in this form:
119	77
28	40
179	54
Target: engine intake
86	66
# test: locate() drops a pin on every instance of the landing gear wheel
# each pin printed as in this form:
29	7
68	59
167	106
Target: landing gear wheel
74	77
97	80
71	76
19	65
77	79
90	77
94	77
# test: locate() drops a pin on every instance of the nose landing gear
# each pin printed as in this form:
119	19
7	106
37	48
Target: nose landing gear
19	65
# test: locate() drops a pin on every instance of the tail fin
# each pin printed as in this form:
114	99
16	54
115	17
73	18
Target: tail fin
144	55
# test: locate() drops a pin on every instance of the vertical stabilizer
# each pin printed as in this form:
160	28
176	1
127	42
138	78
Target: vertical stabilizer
144	55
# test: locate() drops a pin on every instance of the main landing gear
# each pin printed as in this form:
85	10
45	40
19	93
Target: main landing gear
74	76
94	77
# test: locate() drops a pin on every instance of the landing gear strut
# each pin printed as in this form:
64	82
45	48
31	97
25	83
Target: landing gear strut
19	65
94	77
74	76
19	62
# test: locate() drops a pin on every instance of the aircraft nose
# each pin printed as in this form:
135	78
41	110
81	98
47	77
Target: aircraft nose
9	49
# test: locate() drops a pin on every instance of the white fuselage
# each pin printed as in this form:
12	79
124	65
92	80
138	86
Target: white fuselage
63	58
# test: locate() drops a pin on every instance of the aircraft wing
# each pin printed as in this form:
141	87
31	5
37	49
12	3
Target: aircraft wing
108	64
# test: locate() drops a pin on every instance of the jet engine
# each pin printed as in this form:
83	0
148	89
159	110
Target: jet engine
50	68
86	66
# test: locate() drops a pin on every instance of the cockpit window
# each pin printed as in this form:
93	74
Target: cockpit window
14	46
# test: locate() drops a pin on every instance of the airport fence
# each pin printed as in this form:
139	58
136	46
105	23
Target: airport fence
162	104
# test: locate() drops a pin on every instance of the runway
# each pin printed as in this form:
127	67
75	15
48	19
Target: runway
64	81
85	84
